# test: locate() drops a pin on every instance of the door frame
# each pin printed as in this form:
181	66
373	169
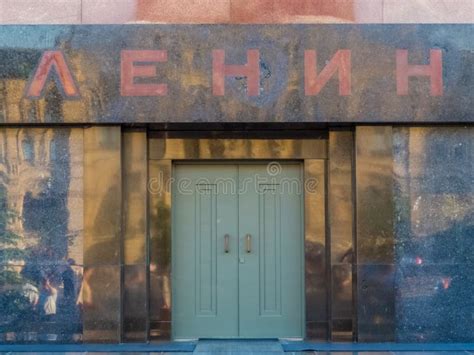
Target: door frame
164	152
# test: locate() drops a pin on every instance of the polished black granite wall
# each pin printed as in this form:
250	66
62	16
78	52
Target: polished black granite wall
92	57
434	234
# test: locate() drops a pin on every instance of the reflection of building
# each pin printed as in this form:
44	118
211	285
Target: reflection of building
41	172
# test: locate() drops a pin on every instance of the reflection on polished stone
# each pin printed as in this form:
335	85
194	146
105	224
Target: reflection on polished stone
134	189
102	233
374	195
316	284
101	303
176	148
341	210
342	307
159	172
134	304
434	210
41	223
102	195
134	237
374	217
376	313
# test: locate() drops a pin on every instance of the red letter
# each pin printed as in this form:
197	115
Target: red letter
341	62
434	70
220	70
130	71
64	77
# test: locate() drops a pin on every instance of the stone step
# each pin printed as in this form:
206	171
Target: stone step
235	347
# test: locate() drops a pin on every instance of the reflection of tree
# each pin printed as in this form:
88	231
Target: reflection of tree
47	214
11	300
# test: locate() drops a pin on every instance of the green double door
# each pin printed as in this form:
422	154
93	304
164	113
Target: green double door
237	251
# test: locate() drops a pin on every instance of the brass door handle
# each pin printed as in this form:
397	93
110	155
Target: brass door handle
248	243
226	243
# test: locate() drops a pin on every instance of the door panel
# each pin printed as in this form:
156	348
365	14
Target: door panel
205	251
255	289
270	276
204	275
269	252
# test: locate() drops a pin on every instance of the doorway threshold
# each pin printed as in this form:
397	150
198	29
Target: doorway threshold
237	346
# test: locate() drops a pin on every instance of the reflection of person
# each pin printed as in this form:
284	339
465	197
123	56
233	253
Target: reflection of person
47	300
69	277
31	292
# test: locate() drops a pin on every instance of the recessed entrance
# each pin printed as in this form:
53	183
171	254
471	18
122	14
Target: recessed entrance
237	250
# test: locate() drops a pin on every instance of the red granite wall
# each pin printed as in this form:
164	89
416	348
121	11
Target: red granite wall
235	11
